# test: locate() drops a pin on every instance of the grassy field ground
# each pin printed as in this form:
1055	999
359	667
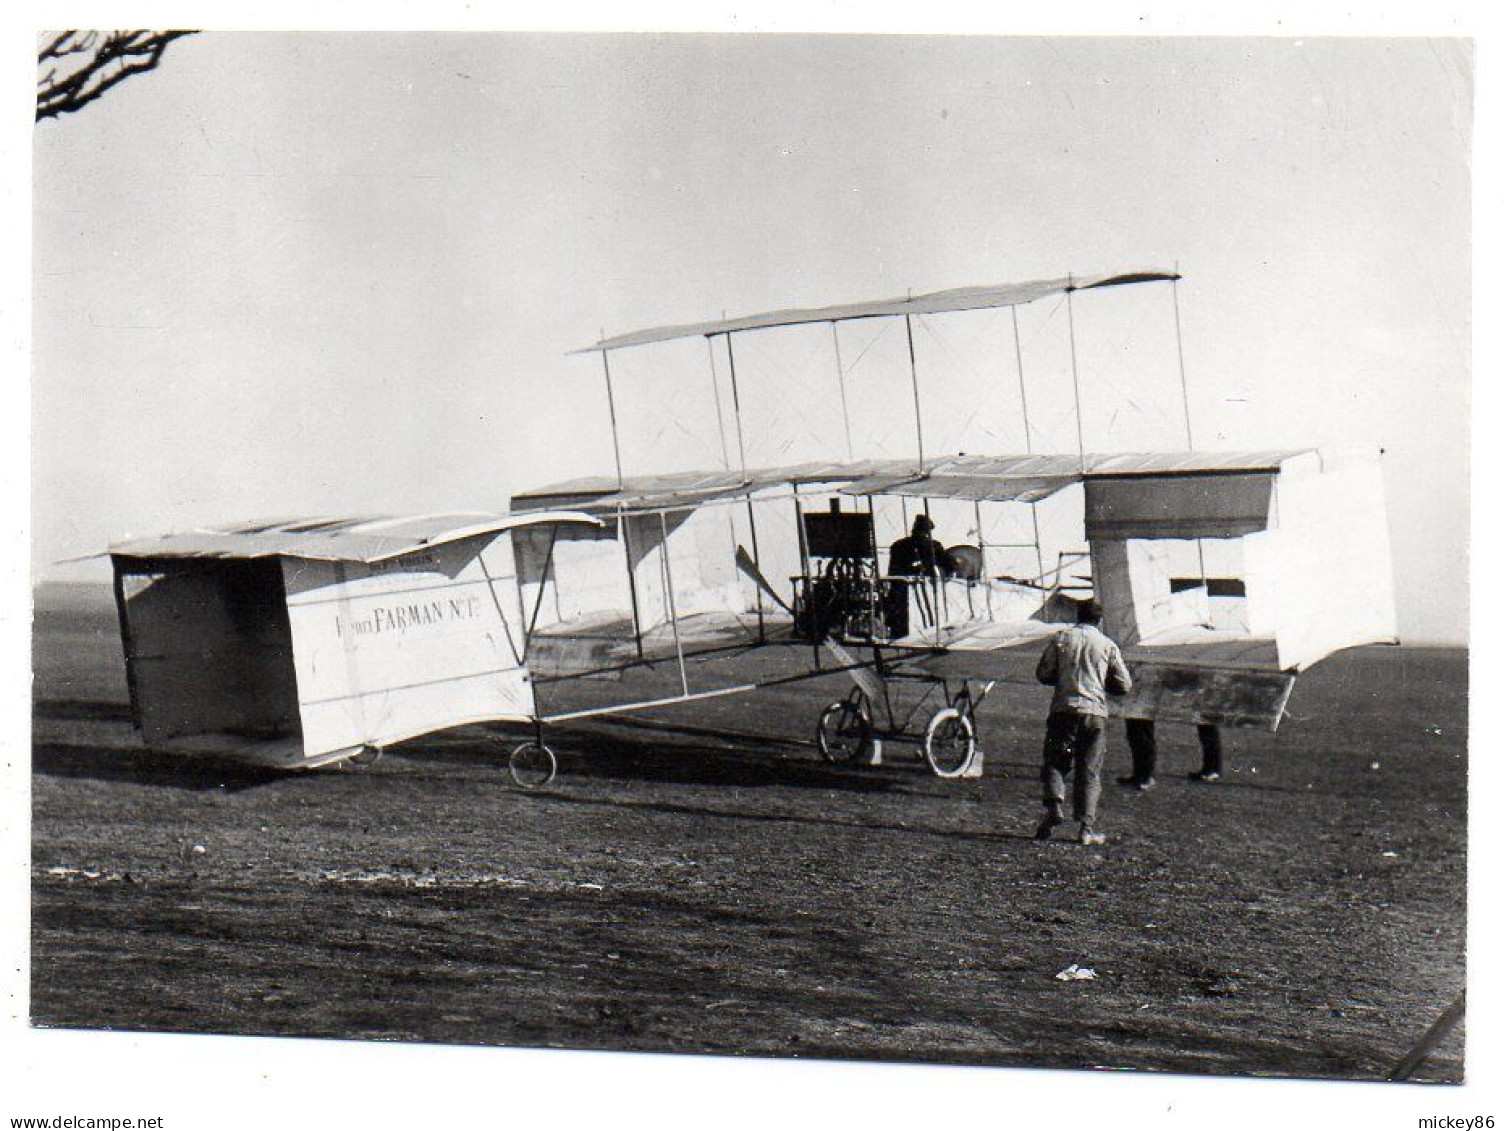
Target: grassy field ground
700	881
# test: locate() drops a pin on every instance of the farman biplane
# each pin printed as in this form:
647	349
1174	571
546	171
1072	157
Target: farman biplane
1223	574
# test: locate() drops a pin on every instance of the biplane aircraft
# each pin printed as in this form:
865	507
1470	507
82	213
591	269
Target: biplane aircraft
1223	575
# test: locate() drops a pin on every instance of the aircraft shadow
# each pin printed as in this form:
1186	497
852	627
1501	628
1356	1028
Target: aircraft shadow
197	773
950	835
640	750
643	758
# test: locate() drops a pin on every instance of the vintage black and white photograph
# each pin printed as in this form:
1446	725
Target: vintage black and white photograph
929	549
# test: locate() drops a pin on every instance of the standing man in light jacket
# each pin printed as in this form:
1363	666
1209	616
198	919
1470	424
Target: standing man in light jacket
1084	667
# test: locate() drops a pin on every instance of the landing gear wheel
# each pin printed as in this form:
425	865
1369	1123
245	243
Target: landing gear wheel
532	765
844	731
364	759
950	743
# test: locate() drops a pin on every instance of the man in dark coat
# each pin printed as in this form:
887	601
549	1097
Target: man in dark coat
919	556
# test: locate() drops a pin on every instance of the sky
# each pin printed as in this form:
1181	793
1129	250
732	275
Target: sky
293	274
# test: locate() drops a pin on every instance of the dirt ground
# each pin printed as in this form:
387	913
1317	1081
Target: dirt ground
698	881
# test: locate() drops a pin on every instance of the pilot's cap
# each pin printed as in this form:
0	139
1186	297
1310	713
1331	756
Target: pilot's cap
923	522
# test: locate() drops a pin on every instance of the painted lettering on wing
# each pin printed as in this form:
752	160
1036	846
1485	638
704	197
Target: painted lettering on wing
411	616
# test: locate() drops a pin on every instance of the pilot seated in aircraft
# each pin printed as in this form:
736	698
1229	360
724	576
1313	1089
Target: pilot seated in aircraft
920	556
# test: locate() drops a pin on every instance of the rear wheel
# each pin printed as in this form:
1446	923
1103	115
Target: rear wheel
844	731
532	765
950	743
363	759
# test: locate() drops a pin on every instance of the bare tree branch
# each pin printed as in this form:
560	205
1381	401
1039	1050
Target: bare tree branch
92	62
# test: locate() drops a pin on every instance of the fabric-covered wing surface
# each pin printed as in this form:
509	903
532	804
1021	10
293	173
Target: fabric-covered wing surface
937	302
385	654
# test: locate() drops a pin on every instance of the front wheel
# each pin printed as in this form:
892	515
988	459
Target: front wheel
844	732
532	765
950	743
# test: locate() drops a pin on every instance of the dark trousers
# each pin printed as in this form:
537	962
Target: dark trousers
1145	748
896	609
1074	744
